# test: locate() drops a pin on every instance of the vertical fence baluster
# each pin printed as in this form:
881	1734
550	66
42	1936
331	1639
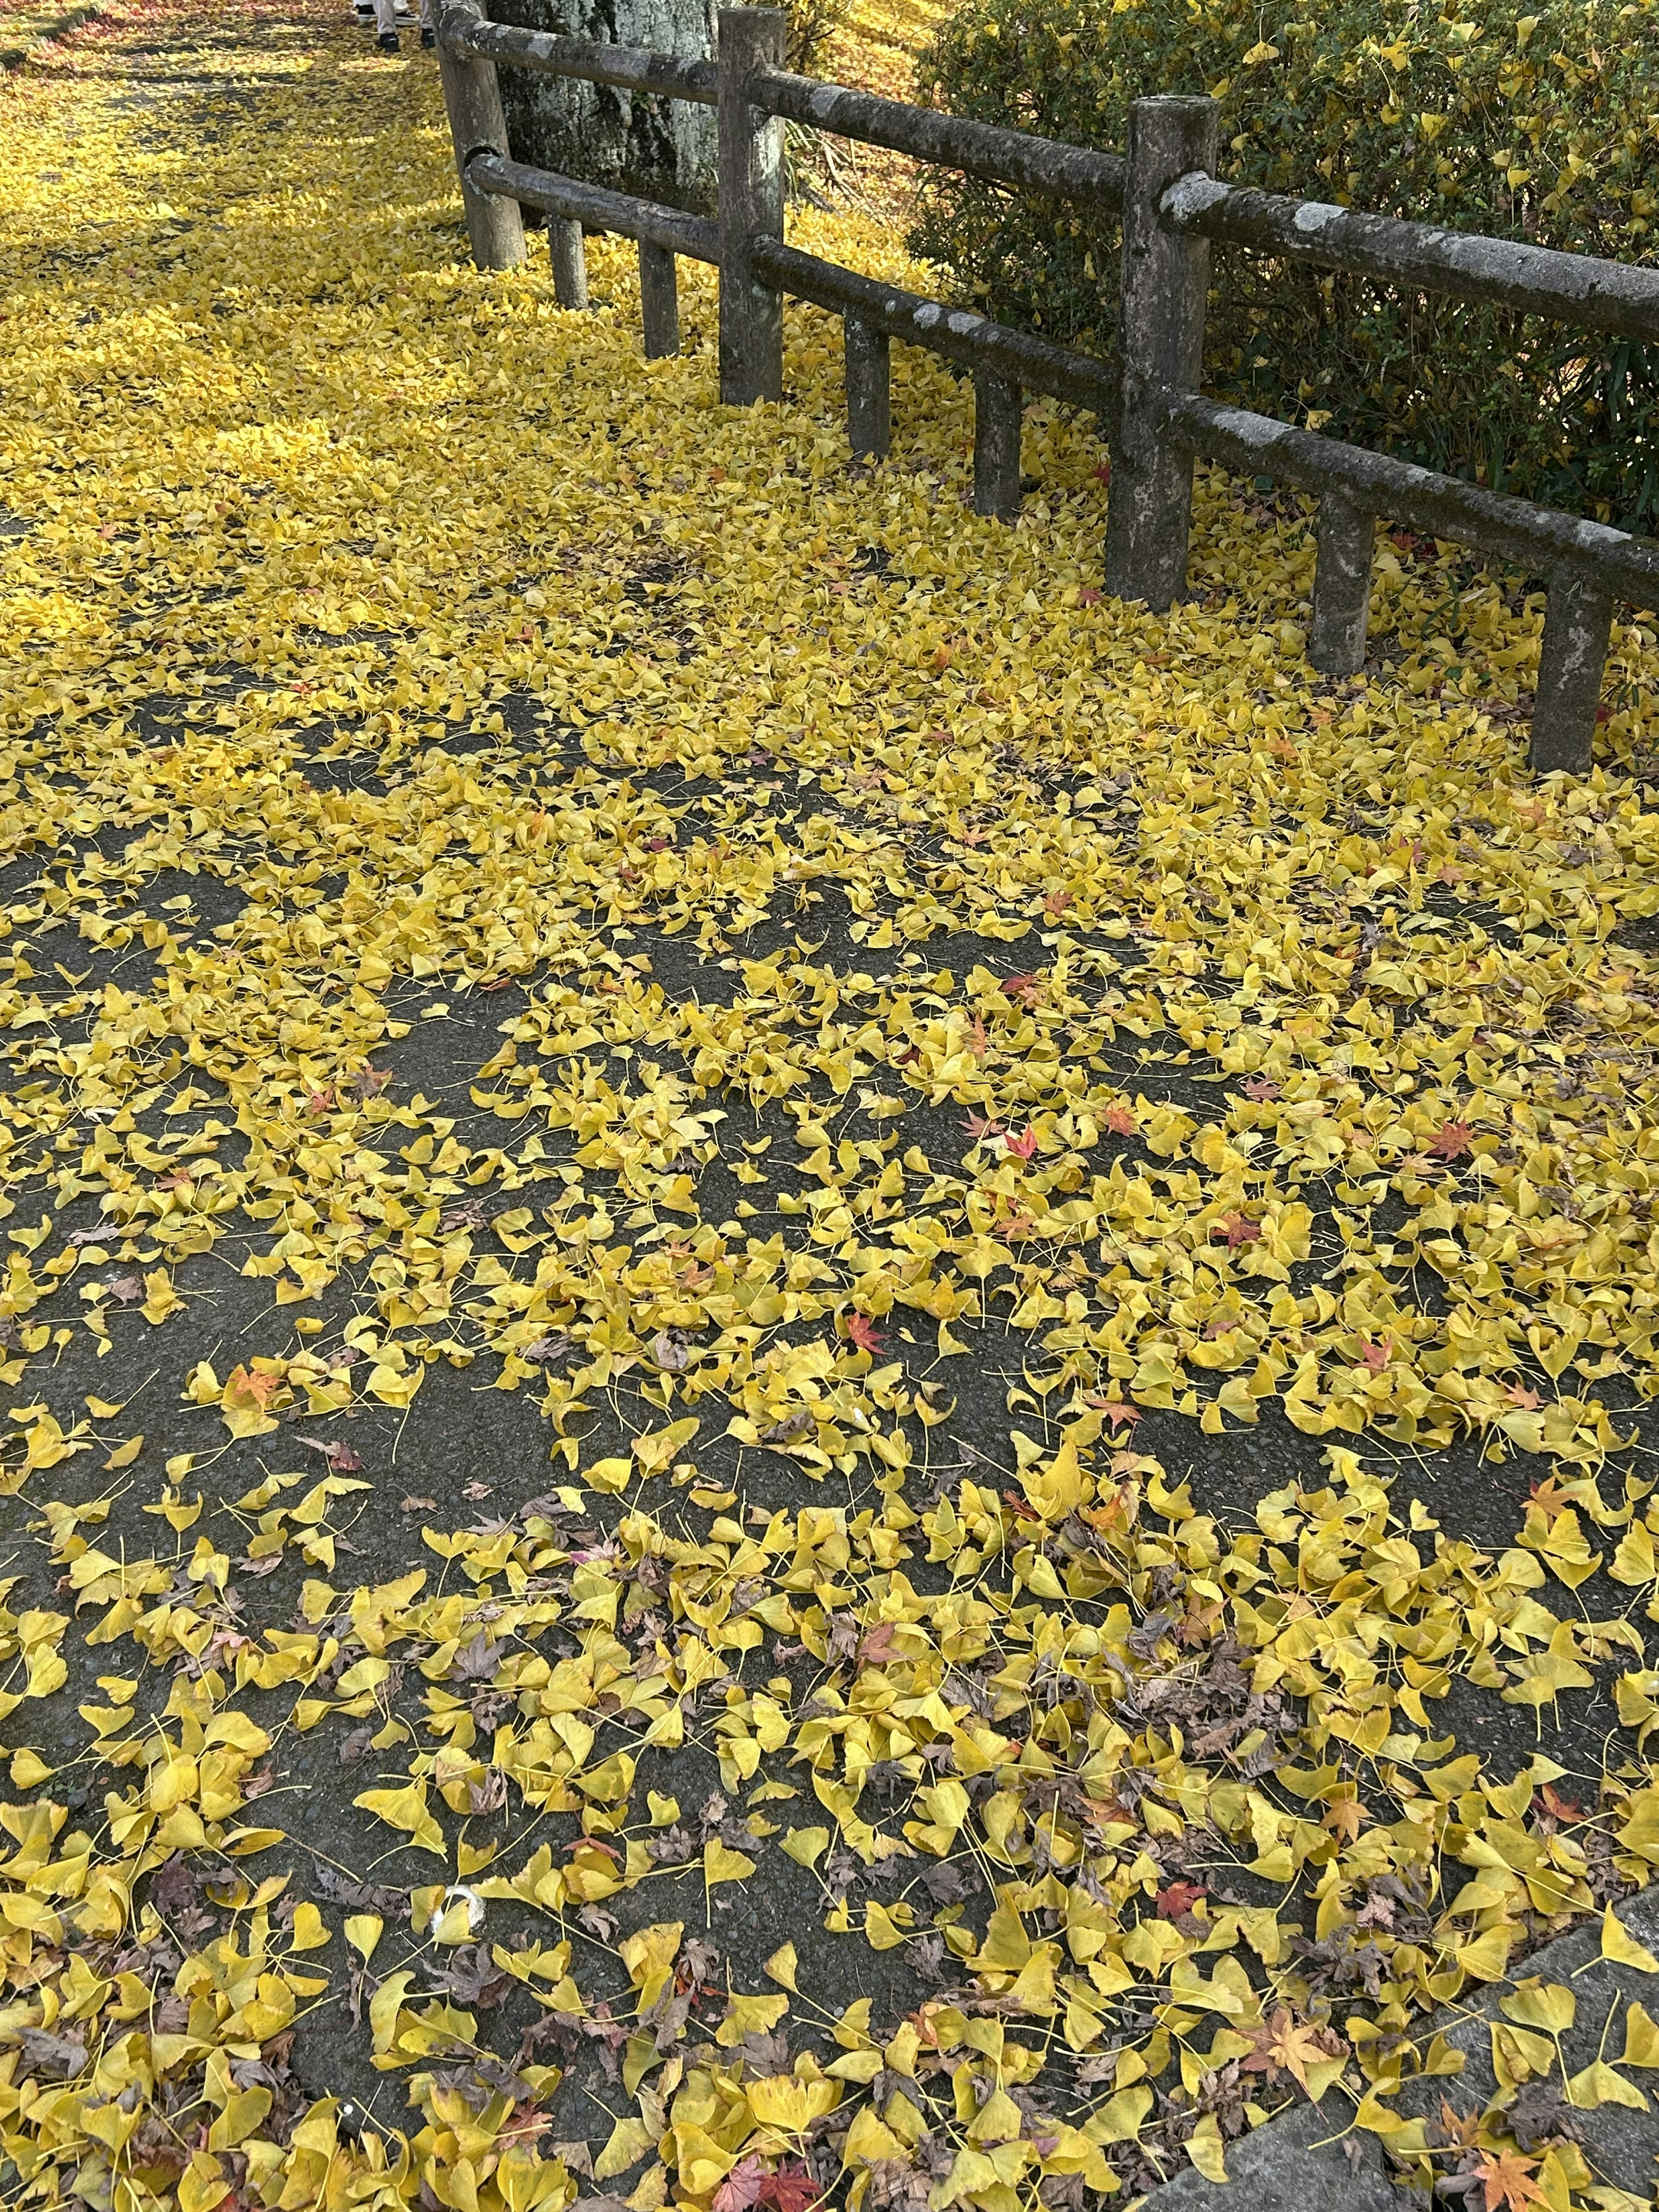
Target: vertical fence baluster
998	407
659	301
570	256
1161	294
751	206
1577	623
472	100
1342	586
869	389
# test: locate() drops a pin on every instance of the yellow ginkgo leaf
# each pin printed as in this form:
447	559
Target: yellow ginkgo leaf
1619	1945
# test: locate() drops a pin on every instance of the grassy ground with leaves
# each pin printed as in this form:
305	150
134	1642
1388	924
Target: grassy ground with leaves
828	1373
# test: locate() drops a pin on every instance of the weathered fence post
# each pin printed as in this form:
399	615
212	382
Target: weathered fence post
1161	294
659	301
869	389
570	256
472	98
1342	586
999	408
1577	623
751	205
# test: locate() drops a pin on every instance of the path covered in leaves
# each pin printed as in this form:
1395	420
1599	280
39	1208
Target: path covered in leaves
827	1371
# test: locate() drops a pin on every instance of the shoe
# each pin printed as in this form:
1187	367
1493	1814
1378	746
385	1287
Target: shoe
387	42
429	40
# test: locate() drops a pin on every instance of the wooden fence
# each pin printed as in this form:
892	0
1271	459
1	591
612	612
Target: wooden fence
1157	417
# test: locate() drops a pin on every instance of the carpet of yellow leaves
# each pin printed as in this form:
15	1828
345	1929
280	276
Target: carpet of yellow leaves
437	640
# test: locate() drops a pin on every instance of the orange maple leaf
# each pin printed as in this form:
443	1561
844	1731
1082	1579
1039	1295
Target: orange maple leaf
1345	1818
1285	2044
1452	1140
1236	1230
258	1386
1507	2177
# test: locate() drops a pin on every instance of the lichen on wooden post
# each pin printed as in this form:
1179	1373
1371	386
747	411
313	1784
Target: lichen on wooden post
659	301
1162	287
751	206
1342	586
564	240
1577	623
472	98
999	409
869	389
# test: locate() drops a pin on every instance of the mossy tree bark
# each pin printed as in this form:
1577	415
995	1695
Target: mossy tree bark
664	149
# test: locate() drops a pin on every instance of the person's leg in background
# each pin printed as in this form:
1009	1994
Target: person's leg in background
386	26
428	22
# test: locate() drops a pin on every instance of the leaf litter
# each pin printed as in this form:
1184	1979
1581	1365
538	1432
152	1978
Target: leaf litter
353	683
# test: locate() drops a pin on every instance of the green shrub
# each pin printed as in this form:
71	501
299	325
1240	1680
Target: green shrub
1539	125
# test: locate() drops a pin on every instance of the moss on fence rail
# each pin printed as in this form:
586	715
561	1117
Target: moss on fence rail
1537	125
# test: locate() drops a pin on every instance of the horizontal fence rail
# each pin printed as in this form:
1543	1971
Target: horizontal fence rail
630	68
595	207
1150	400
1534	538
972	341
1534	280
950	141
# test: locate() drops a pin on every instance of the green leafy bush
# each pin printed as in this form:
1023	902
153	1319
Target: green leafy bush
1542	125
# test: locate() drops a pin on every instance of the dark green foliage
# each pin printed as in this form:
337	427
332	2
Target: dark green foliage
1543	125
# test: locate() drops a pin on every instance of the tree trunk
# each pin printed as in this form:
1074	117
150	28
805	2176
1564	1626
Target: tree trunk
663	149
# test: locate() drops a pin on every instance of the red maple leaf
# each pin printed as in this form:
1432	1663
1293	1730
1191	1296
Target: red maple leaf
1375	1356
876	1647
1120	1121
1259	1087
1022	1146
1558	1807
742	2187
791	2188
1236	1230
1519	1394
342	1460
1057	901
1022	987
864	1331
1180	1897
1017	1504
1088	597
1452	1140
1120	1415
976	1127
